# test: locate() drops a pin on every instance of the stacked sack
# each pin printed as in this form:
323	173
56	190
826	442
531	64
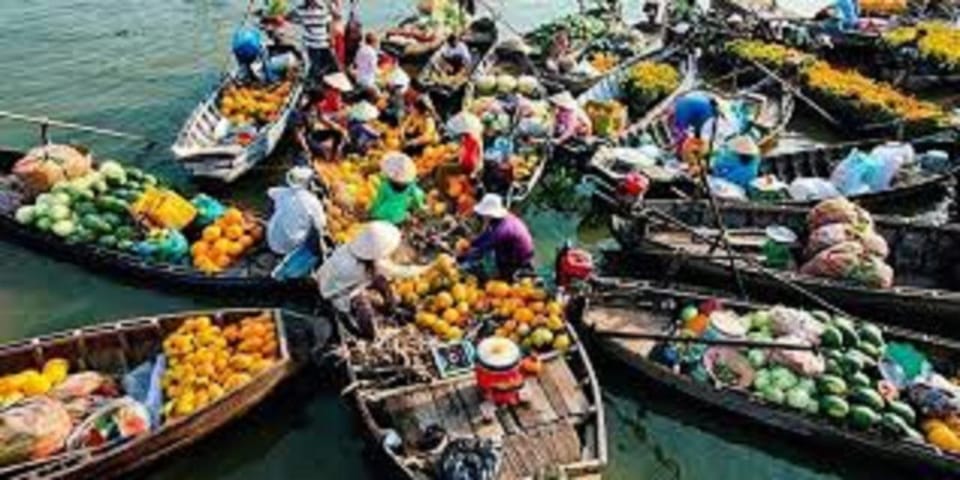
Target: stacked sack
843	245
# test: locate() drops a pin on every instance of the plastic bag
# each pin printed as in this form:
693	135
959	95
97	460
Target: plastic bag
42	167
892	157
34	428
805	363
835	233
812	188
118	419
858	173
208	208
84	384
143	385
795	323
835	262
873	272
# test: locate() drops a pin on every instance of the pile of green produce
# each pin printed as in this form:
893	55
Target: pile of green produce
94	208
580	28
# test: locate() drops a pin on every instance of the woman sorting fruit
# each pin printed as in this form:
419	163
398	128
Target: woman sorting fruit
398	192
298	216
399	97
571	121
326	126
362	133
470	130
419	128
354	269
505	235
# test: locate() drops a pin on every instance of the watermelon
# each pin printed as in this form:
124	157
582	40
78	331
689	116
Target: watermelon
867	396
44	223
845	326
113	204
871	334
831	385
834	406
831	337
859	379
84	207
773	395
862	417
63	228
851	363
126	245
95	224
893	424
902	410
125	232
870	350
112	218
108	241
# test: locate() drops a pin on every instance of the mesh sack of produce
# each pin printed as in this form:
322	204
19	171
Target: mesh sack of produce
34	428
786	321
837	262
872	272
802	362
838	210
832	234
42	167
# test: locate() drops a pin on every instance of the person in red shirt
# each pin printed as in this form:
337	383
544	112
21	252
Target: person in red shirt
329	126
338	40
470	129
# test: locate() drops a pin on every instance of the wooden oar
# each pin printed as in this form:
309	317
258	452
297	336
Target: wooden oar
44	121
796	91
666	337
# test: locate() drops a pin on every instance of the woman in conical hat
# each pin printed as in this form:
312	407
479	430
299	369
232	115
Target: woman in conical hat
398	193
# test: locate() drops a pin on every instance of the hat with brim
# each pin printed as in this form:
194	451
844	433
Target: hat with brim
491	206
743	145
398	78
377	241
339	81
363	112
465	122
564	100
299	176
398	167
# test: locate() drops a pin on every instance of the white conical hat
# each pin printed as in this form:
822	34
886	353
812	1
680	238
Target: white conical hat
465	122
339	80
564	99
364	112
299	176
498	352
491	206
398	167
398	78
377	240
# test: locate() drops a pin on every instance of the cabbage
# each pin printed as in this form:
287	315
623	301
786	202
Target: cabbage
59	198
40	210
486	84
59	212
506	84
113	171
773	395
44	223
782	378
807	384
527	85
760	320
44	199
798	398
761	381
63	228
26	214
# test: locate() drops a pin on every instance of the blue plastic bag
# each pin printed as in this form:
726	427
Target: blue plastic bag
143	385
858	173
208	209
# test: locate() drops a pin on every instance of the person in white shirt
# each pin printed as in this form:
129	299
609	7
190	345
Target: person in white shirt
455	55
298	216
362	264
366	63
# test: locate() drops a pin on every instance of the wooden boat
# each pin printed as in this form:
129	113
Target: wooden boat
923	257
204	154
116	348
561	430
409	48
447	91
251	276
649	310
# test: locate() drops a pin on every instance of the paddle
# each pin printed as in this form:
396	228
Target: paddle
45	122
666	337
796	91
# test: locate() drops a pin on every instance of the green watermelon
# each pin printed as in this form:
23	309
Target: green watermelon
834	407
862	417
902	410
831	385
867	396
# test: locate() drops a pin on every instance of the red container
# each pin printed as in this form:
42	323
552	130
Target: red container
498	371
573	264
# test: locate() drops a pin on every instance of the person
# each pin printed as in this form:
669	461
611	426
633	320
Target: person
298	216
321	123
738	162
338	38
363	135
559	50
848	13
314	18
398	193
366	63
358	266
571	120
248	50
692	111
399	96
505	235
470	130
455	55
419	129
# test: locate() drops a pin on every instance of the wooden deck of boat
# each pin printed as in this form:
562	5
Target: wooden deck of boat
627	320
536	435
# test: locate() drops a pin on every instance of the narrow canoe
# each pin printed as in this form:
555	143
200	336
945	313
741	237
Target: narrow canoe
250	277
409	50
445	91
561	429
199	149
650	310
116	348
924	258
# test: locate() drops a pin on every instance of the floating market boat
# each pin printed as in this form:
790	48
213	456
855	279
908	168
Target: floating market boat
414	39
240	124
743	376
446	90
113	350
250	274
424	389
924	295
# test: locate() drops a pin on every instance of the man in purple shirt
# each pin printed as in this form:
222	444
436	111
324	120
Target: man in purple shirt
505	235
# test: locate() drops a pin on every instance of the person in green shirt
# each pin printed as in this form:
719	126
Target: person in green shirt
398	192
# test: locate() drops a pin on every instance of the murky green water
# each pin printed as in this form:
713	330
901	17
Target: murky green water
140	66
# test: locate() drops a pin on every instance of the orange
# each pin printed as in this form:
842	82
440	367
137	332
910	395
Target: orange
498	289
443	301
459	292
463	307
234	232
212	233
222	261
220	247
523	315
234	248
246	241
199	249
451	316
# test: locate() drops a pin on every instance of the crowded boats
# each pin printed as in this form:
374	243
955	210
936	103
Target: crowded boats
819	288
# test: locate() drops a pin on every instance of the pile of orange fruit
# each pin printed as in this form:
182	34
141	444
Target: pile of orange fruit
603	62
353	185
254	104
433	156
459	196
205	361
225	241
528	316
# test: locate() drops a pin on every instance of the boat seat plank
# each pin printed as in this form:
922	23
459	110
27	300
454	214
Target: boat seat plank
509	423
557	372
555	397
628	321
412	413
451	410
537	410
517	465
517	448
482	427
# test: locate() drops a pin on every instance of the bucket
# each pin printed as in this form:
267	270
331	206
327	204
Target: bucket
498	371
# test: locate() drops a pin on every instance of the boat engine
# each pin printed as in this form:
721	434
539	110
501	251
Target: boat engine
572	264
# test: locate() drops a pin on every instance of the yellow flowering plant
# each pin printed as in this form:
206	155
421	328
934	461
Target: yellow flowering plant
940	44
649	82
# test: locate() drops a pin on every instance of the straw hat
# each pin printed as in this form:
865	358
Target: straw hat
465	122
398	167
744	145
564	100
398	78
299	176
364	112
377	240
491	206
339	81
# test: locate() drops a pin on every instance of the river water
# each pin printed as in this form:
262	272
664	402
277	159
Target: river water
140	66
